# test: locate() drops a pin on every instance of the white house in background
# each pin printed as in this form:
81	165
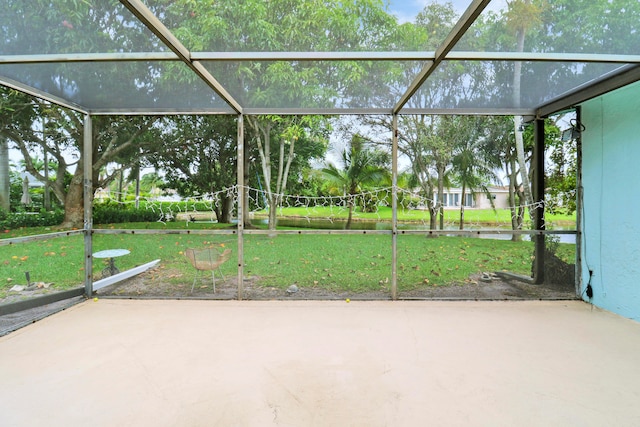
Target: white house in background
452	197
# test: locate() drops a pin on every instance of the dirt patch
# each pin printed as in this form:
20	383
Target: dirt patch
159	283
488	286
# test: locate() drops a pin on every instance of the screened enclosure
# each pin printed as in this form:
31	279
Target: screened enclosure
302	68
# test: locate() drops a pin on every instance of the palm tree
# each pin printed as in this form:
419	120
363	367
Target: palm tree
473	171
522	16
360	166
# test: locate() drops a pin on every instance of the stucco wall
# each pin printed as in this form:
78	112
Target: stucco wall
611	214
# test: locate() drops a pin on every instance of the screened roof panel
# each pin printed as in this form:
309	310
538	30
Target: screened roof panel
120	86
490	84
315	84
594	27
31	27
223	56
274	26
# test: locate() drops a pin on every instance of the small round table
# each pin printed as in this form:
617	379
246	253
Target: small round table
111	269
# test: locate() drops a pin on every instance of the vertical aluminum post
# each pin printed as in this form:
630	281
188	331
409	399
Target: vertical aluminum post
394	210
241	207
538	199
5	183
579	196
87	164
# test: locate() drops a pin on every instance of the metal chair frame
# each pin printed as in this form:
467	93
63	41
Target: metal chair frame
207	259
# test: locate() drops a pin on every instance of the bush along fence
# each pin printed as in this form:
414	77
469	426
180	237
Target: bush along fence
105	213
13	220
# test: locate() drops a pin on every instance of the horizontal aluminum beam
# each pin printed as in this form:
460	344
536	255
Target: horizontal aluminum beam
320	56
322	112
162	112
38	237
607	83
89	57
413	56
318	231
469	111
471	233
315	111
29	90
328	231
162	231
312	56
543	57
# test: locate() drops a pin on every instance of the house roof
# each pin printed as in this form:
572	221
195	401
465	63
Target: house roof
145	63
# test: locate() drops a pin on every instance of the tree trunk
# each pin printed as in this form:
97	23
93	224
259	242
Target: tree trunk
433	215
4	175
74	203
524	174
226	209
350	216
243	189
264	149
273	207
138	186
47	193
517	121
120	185
515	223
440	205
464	188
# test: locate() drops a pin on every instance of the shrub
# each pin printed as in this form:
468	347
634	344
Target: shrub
11	221
368	202
113	213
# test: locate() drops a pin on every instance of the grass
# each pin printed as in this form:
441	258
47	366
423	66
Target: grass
487	217
362	263
474	217
353	263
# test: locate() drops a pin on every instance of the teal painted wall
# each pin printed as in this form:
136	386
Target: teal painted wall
611	204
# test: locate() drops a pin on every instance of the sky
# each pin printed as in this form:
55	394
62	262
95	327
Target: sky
406	10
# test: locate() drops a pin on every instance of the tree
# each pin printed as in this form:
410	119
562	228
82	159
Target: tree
77	26
360	166
562	171
414	143
115	139
198	155
522	16
277	138
473	165
500	148
428	141
311	25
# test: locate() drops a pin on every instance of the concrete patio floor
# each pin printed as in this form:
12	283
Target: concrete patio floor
322	363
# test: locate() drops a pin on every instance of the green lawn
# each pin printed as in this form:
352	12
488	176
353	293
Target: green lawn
486	217
473	218
356	263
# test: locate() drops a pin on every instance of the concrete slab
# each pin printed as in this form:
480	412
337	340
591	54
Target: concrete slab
322	363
